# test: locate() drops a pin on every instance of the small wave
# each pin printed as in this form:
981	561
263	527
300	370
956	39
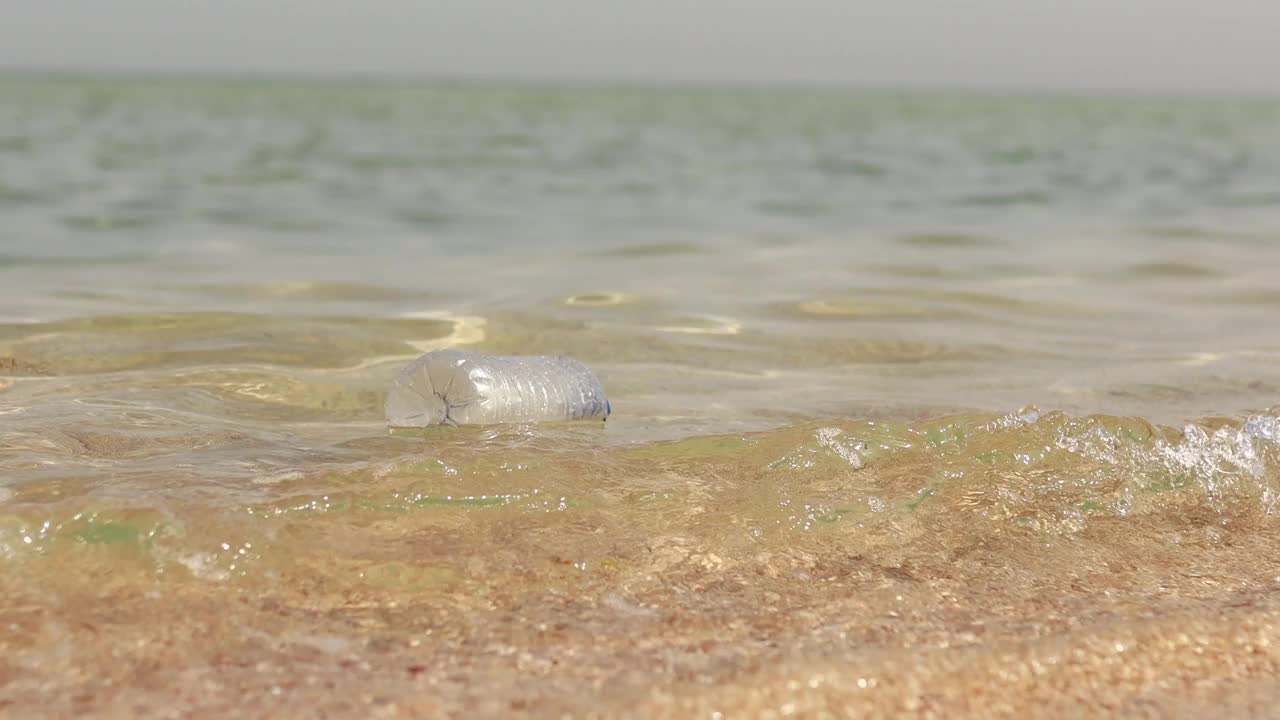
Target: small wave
946	240
1007	199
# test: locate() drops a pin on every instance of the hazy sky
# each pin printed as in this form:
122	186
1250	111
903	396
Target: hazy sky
1190	45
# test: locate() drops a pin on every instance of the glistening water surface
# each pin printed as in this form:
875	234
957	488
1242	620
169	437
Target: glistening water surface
933	405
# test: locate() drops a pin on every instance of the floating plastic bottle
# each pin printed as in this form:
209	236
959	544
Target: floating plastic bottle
454	387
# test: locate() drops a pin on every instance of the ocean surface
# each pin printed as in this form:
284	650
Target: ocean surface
927	404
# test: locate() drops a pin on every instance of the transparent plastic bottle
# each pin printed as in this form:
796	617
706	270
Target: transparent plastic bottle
454	387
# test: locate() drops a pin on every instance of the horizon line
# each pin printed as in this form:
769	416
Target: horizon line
630	83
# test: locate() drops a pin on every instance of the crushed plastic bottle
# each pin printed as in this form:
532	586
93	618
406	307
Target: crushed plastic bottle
454	387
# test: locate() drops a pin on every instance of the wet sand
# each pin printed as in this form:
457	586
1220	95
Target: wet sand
714	592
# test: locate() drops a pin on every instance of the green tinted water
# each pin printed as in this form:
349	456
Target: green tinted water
825	322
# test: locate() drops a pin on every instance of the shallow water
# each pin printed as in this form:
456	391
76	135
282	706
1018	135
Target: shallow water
921	404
